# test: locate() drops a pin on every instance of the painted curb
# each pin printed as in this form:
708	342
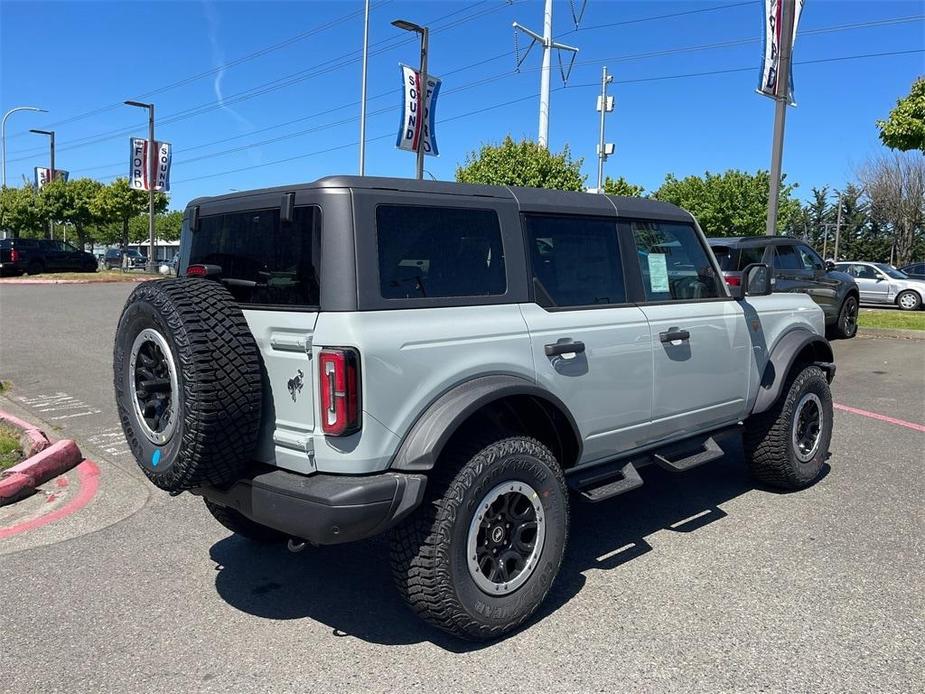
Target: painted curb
32	437
34	471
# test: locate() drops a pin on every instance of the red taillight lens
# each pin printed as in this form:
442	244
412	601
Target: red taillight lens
14	256
733	280
339	378
197	271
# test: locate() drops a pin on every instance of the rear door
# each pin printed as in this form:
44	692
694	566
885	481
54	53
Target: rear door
790	275
271	268
55	255
700	343
873	286
591	347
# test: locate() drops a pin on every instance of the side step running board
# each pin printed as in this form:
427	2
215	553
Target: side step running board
606	484
711	451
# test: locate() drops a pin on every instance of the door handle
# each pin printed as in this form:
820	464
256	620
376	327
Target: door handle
674	334
557	348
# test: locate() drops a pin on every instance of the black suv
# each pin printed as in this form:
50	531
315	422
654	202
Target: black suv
113	259
42	255
797	268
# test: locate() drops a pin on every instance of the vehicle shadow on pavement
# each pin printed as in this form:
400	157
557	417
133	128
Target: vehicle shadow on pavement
349	587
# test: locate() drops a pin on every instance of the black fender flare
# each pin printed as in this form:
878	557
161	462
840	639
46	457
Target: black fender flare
783	355
422	445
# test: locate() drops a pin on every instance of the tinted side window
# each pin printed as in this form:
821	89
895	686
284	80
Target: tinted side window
576	259
753	254
675	267
439	252
726	257
263	262
811	261
786	258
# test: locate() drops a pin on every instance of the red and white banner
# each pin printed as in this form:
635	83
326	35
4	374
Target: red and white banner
770	64
43	175
149	169
418	113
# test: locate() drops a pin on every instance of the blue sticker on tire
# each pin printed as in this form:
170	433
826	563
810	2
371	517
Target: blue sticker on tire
156	458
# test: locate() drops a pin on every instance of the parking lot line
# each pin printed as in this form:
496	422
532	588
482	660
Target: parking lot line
881	417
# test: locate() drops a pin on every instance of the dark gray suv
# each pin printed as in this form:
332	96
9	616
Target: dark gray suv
797	268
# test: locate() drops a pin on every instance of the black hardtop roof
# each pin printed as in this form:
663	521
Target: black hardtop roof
528	199
752	240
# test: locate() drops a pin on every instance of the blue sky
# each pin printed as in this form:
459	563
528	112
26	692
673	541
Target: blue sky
75	58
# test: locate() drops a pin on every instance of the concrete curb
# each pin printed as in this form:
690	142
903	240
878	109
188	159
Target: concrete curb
889	332
45	461
31	281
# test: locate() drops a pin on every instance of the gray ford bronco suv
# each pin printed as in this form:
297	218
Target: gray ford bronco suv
455	364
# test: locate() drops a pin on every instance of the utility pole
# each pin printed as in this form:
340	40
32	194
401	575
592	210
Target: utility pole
3	131
152	181
547	42
363	92
788	12
605	106
838	226
51	170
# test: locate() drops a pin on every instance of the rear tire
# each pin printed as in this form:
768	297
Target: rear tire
480	554
36	267
908	301
787	445
241	525
846	326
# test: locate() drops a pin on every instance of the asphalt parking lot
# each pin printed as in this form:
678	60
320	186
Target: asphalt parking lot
694	582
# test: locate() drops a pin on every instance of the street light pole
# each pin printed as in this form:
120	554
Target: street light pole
422	87
3	131
788	12
51	170
152	180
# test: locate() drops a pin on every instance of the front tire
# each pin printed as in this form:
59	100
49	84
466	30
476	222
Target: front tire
480	554
787	445
908	301
847	325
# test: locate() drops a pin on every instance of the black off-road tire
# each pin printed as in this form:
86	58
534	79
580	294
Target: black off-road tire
242	525
219	383
910	305
769	446
429	553
846	326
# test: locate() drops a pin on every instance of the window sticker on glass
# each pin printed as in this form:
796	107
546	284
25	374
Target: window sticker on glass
658	272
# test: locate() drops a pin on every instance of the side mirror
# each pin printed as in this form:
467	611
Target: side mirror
756	281
829	265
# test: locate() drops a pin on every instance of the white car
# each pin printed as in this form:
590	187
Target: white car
880	283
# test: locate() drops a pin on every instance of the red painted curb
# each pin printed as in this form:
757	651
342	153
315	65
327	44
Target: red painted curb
88	476
38	469
36	437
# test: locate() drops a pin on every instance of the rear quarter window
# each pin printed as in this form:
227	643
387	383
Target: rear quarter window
427	252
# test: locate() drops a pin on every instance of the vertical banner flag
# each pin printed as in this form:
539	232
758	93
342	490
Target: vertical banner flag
418	113
770	64
43	174
149	170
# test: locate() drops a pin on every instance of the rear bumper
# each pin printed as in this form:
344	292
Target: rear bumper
322	509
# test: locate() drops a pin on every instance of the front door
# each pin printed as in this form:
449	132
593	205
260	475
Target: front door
701	347
591	348
822	287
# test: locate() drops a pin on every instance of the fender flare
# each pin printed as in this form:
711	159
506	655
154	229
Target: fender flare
422	445
783	355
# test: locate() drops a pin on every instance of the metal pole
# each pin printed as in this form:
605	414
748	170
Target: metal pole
838	226
788	10
51	178
543	137
152	179
600	147
422	91
3	131
363	93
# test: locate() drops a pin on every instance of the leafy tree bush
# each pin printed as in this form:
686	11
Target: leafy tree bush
522	163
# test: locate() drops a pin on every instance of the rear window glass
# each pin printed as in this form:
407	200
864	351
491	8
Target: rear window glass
263	261
439	252
734	259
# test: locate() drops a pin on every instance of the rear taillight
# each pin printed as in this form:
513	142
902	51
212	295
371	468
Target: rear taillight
339	378
197	271
733	280
14	256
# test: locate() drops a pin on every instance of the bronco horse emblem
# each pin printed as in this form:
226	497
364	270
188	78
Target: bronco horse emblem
295	385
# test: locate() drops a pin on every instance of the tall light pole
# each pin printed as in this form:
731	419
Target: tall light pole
363	92
3	131
788	12
51	170
152	180
422	86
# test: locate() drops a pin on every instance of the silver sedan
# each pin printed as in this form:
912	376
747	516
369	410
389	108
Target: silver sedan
880	283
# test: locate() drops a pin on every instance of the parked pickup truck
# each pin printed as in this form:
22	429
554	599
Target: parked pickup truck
456	365
18	256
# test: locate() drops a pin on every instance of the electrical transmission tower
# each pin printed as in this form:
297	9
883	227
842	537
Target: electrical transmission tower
547	42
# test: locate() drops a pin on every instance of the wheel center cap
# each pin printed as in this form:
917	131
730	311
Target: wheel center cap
497	534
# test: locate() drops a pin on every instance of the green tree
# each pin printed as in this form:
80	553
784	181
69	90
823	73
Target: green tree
894	185
522	163
904	129
71	202
621	186
22	212
116	205
168	225
733	203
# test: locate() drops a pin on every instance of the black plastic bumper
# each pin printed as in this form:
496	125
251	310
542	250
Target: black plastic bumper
322	509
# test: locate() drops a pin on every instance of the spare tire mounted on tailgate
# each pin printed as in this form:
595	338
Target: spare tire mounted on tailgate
188	383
